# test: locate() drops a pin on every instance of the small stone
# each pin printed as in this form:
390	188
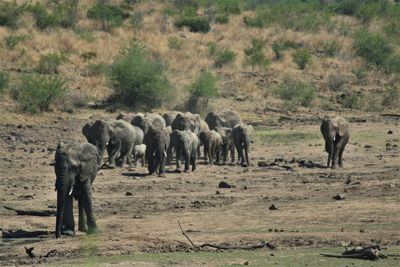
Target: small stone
272	207
246	263
367	146
128	194
362	231
262	164
339	197
217	192
224	185
390	132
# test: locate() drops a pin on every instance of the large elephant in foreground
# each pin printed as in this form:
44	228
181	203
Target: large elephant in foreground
76	166
185	143
227	118
157	142
118	136
336	134
241	135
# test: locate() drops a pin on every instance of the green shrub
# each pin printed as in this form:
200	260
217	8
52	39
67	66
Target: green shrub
222	18
301	57
88	55
336	82
35	93
255	22
64	14
228	6
139	80
42	17
12	40
349	100
85	34
255	54
195	24
348	7
109	15
224	56
175	43
136	20
392	63
391	97
3	81
203	88
331	48
97	69
360	74
10	13
373	47
295	92
277	48
49	63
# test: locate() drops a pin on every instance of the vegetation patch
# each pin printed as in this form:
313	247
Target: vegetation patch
195	24
302	57
175	43
10	13
4	79
63	13
49	63
11	41
201	90
108	15
296	93
285	137
255	53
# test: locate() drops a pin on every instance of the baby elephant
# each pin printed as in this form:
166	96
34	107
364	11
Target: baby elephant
139	152
212	142
185	144
336	134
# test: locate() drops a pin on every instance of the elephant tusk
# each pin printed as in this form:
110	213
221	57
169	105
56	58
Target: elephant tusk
165	153
70	192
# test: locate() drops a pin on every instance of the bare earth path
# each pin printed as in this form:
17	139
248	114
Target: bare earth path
145	219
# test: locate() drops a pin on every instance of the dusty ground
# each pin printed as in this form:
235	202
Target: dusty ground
146	221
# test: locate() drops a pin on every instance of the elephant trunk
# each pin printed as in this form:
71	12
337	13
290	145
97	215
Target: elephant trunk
62	194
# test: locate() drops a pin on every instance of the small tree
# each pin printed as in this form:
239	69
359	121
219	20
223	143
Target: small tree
202	89
109	15
302	57
255	54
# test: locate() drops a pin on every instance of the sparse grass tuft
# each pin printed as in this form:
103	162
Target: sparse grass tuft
4	79
349	100
97	69
391	97
255	55
11	41
87	56
302	57
331	48
336	82
49	63
10	13
175	43
136	20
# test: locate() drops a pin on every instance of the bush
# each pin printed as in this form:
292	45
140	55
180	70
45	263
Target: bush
97	69
136	20
391	97
223	57
229	6
336	82
348	7
35	93
222	18
10	13
175	43
109	15
255	22
331	48
373	47
49	63
295	92
255	55
360	74
277	48
62	14
349	100
301	57
139	80
3	81
88	55
85	34
392	63
203	88
12	40
195	24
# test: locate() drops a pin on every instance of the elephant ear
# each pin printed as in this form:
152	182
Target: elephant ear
340	125
86	130
90	162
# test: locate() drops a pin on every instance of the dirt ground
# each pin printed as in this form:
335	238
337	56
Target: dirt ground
139	214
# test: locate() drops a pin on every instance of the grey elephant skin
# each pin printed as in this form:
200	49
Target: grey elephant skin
118	136
212	142
241	135
185	143
144	122
336	135
76	166
139	152
227	143
227	118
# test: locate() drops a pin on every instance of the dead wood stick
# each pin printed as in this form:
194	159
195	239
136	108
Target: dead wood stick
183	232
43	213
29	252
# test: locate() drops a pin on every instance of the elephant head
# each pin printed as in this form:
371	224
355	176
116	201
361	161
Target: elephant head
141	122
98	133
75	165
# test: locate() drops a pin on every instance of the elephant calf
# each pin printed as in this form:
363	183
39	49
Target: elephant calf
76	166
241	135
336	135
139	152
185	143
212	142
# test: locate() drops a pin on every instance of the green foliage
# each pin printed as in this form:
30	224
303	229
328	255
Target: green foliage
331	48
296	93
10	13
85	34
175	43
360	74
88	55
228	6
348	7
12	40
336	82
64	14
136	20
139	80
4	79
277	48
391	97
194	23
223	56
373	47
222	18
255	55
349	100
49	63
109	15
392	63
301	57
203	88
35	93
97	69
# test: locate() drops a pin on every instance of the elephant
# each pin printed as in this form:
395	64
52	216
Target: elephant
157	142
227	143
149	119
139	152
336	135
212	142
241	135
227	118
169	117
185	144
183	122
118	136
75	166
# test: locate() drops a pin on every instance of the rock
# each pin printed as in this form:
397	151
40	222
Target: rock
367	146
279	159
217	192
128	194
246	263
390	132
224	185
339	197
262	164
273	207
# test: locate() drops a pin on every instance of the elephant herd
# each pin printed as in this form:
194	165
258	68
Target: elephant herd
154	139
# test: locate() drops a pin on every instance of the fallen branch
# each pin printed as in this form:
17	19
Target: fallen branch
42	213
221	247
29	252
25	234
365	253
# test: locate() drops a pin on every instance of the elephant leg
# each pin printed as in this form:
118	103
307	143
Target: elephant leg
335	155
68	218
161	163
206	156
82	225
113	151
329	149
341	150
126	157
143	160
178	158
199	152
232	149
169	154
246	152
193	159
186	157
87	202
150	160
